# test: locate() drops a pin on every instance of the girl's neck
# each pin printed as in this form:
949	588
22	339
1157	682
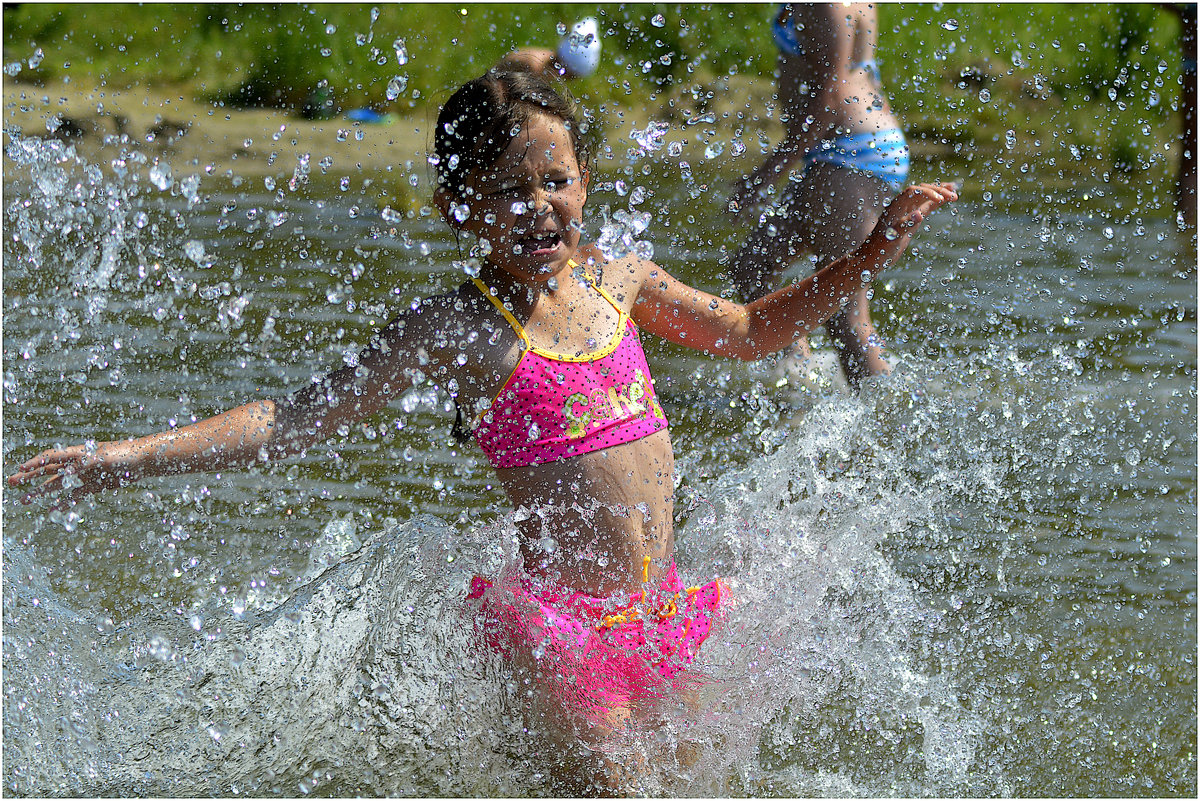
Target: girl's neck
508	287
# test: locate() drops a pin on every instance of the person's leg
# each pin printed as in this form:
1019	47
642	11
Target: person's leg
841	207
575	731
773	245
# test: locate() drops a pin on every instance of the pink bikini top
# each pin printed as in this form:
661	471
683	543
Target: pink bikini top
554	407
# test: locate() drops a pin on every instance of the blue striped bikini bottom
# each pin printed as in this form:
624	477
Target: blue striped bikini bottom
883	154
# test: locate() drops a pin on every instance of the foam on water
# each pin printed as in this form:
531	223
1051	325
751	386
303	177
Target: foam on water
368	679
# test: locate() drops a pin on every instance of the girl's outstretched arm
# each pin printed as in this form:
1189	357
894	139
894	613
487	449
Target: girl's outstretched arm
260	431
235	438
690	317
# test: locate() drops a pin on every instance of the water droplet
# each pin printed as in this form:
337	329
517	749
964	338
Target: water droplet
650	139
658	20
1108	232
950	25
401	52
984	95
160	649
160	175
891	234
713	149
194	250
396	86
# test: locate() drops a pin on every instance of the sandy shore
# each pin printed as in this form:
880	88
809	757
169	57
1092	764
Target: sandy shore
213	139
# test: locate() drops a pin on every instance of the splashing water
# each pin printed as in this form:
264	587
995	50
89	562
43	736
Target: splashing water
941	587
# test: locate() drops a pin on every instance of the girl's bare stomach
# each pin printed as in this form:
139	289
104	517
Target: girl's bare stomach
590	522
863	109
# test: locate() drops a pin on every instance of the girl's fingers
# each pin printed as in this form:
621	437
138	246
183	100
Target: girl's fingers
52	484
36	468
25	474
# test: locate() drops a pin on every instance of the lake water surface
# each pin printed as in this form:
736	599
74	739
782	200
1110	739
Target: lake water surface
976	578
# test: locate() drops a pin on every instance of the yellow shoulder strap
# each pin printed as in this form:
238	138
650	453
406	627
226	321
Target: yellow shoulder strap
600	289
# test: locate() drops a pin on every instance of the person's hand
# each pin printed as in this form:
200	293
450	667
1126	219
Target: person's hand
899	221
905	213
77	471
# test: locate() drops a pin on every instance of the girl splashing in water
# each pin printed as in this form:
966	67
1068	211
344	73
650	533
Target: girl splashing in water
541	353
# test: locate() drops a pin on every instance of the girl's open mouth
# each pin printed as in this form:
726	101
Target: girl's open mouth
540	244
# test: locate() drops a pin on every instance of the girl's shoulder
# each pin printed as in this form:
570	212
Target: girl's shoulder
622	277
432	322
455	330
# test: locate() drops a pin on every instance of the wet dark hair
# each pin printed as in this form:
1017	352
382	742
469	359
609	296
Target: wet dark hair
481	119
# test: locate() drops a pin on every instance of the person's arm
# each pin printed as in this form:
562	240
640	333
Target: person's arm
233	438
809	92
260	431
687	316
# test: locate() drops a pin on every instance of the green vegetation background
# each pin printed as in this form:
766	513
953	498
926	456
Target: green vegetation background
1106	76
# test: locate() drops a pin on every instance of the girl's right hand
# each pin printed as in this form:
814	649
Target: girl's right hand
79	470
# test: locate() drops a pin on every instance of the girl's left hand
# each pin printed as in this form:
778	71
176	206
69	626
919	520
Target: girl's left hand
909	209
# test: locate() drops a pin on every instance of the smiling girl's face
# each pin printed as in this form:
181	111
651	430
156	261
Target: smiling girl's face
529	204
